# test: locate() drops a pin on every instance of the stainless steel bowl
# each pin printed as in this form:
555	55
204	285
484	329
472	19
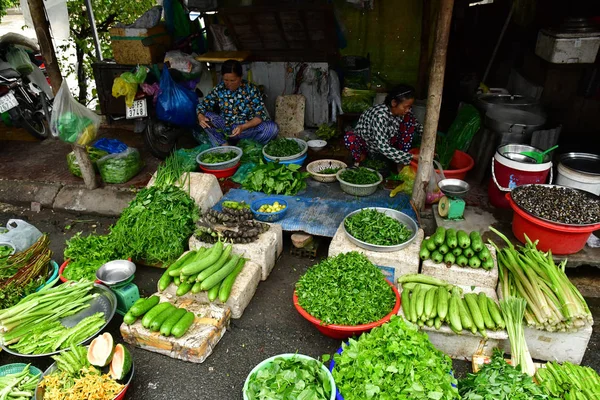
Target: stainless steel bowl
454	187
586	163
400	216
104	302
115	272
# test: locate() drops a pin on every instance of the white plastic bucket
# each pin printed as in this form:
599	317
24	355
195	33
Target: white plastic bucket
579	180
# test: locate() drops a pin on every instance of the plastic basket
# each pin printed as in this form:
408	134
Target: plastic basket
358	190
222	165
16	368
303	146
268	217
52	274
298	161
315	167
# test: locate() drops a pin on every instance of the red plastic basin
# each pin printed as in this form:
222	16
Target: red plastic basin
460	164
64	265
561	239
220	173
346	331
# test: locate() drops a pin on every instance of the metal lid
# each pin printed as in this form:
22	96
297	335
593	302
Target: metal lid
582	162
507	99
516	117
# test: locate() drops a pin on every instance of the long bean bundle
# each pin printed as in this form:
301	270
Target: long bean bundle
553	303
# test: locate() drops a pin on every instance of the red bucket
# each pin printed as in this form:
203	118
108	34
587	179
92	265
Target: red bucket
460	164
561	239
511	169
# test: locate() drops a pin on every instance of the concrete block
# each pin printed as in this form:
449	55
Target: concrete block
555	346
393	264
105	201
199	341
457	275
264	251
203	188
475	219
20	192
242	291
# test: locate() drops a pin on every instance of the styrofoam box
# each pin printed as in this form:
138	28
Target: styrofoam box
264	251
465	345
567	48
203	188
393	264
457	275
242	291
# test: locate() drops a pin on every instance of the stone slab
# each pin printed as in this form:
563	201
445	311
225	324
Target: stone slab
264	251
242	291
19	192
393	264
203	188
457	275
105	201
199	341
475	219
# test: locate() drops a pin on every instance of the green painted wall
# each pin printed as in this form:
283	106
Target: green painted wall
391	33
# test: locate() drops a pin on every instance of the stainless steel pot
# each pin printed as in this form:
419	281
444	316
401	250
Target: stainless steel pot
582	162
516	126
491	101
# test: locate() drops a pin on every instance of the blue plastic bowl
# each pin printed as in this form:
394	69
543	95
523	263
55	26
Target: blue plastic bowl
338	396
299	160
268	217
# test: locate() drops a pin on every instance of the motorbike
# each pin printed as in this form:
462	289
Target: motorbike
25	98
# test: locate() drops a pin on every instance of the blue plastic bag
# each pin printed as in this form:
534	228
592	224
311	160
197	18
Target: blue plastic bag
111	146
175	104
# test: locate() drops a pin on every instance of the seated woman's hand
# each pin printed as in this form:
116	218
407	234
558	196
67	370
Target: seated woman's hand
238	130
203	121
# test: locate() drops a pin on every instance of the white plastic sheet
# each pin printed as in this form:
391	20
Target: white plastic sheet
57	15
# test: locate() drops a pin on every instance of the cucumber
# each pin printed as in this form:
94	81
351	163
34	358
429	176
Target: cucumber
485	254
462	261
468	252
424	253
420	323
183	324
413	304
166	278
463	239
451	239
139	309
411	286
405	303
216	278
192	278
437	323
182	262
429	322
156	310
449	259
454	320
168	325
433	312
184	288
430	244
213	293
482	301
161	318
420	306
437	257
442	305
129	318
216	266
205	262
474	262
495	313
471	300
429	301
476	242
227	285
439	237
196	287
443	249
427	280
489	264
465	317
177	281
457	252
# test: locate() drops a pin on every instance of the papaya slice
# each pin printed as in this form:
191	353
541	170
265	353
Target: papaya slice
121	363
101	350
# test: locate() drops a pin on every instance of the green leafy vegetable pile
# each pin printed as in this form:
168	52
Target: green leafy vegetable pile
293	378
500	381
274	178
374	164
120	167
326	132
87	254
569	381
345	290
394	361
360	176
283	147
94	153
374	227
5	251
329	171
252	151
216	157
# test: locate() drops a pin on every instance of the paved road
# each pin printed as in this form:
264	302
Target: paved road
269	326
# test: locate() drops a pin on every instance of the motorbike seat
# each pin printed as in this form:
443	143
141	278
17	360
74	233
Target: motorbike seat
7	72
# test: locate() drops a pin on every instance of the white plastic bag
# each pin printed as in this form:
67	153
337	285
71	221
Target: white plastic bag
434	194
21	235
334	97
71	121
183	62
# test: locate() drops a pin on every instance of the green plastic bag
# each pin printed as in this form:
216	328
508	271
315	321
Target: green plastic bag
187	157
459	136
120	167
243	172
95	155
357	101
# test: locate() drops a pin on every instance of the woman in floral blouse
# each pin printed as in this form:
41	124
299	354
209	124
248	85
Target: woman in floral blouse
386	130
242	113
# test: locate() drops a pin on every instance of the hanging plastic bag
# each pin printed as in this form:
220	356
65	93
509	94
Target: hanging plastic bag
95	155
407	175
175	104
127	84
71	121
111	146
120	167
19	60
434	194
21	235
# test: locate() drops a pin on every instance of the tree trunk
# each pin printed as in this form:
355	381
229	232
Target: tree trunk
434	102
81	78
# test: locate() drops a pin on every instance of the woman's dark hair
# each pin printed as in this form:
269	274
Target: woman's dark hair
400	93
232	67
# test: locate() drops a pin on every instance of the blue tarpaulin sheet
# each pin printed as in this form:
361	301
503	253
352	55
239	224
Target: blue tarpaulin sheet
321	208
